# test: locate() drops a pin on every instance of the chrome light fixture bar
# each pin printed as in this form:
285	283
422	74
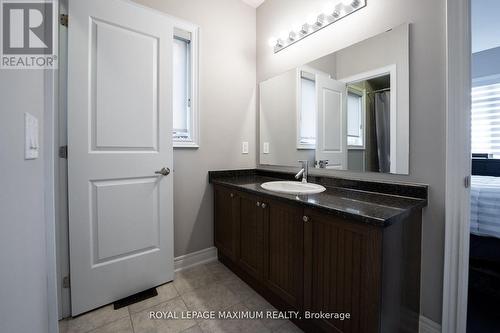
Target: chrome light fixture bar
329	16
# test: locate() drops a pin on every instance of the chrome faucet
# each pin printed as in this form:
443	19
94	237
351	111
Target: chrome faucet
304	172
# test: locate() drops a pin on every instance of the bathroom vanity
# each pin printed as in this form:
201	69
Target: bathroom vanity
354	248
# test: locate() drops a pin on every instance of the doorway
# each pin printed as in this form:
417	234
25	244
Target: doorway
484	254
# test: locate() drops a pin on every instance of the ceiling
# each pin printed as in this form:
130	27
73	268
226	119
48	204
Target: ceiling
253	3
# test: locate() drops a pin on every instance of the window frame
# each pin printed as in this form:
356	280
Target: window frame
361	93
194	61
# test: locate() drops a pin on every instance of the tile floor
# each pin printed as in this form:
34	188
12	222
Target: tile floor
208	287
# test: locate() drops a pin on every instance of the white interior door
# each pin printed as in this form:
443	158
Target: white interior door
331	142
119	134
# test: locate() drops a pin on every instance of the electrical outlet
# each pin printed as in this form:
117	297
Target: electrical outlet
244	147
266	147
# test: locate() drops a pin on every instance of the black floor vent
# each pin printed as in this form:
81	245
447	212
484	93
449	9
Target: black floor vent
135	298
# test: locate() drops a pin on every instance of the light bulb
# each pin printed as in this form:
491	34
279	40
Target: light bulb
283	35
272	41
321	19
305	28
351	3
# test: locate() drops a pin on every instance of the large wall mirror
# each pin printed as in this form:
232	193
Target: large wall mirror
348	110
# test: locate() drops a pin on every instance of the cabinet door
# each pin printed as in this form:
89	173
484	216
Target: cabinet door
283	256
226	214
342	261
250	234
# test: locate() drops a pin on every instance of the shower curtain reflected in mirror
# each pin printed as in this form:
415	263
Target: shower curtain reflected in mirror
382	115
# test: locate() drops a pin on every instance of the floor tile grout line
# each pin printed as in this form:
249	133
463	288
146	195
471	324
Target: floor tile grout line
100	326
220	280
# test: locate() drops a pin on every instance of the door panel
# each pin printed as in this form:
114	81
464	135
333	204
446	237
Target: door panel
226	214
283	271
342	273
124	69
114	218
331	97
119	134
251	235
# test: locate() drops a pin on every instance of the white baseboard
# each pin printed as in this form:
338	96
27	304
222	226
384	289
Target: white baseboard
195	258
428	326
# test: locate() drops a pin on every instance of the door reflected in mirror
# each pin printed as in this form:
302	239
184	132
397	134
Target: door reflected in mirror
348	110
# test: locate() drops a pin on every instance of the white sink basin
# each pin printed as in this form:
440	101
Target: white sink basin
293	187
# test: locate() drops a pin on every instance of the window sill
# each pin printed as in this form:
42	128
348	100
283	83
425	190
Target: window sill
306	146
187	144
356	147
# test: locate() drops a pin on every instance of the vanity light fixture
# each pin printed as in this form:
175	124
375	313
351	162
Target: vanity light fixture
332	13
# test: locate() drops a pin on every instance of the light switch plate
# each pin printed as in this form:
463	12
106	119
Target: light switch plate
244	147
266	147
31	137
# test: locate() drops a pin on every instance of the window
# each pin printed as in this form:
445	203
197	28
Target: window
485	134
307	121
355	118
185	107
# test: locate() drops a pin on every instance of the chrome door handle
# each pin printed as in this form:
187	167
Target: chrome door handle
163	172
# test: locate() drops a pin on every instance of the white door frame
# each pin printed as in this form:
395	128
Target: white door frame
458	165
390	70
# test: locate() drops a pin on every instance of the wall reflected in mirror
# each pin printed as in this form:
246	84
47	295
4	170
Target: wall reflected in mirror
348	110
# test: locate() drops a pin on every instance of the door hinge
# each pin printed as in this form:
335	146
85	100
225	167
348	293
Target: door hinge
66	282
63	152
467	182
63	19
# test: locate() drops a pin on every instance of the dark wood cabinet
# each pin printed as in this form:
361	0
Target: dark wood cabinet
316	262
226	222
284	252
342	272
250	225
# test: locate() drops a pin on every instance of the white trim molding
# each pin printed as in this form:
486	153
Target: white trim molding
458	166
195	258
428	326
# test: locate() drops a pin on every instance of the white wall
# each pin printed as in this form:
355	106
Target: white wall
227	111
427	98
23	262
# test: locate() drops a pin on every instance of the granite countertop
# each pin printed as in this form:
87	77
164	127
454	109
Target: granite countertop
379	209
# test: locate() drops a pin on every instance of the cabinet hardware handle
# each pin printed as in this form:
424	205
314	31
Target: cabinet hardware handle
263	205
305	218
232	195
258	204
